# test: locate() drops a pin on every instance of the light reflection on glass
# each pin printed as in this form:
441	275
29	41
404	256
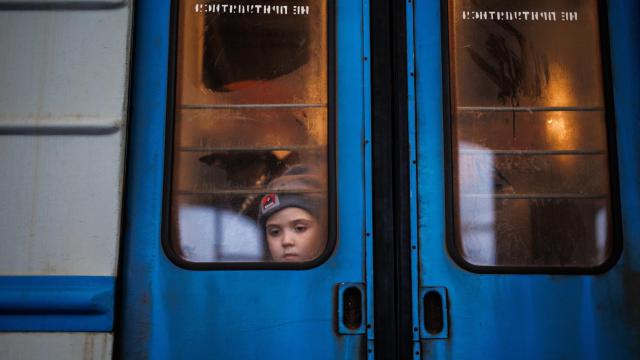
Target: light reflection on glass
477	213
531	183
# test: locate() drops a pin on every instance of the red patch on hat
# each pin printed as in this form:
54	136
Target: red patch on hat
269	201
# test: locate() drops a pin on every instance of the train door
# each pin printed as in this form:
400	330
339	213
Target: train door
249	125
526	233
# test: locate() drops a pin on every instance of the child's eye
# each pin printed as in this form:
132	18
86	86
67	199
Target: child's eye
273	231
300	228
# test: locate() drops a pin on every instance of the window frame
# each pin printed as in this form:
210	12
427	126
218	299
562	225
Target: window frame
612	157
170	116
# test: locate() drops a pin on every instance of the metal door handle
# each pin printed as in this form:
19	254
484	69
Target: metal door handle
350	306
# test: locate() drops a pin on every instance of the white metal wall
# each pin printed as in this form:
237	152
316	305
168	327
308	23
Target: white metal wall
63	108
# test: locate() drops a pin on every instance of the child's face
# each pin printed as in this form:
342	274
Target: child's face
294	235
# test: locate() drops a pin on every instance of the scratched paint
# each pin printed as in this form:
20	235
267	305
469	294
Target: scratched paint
530	316
169	312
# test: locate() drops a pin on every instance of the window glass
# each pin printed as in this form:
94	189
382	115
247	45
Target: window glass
530	163
249	169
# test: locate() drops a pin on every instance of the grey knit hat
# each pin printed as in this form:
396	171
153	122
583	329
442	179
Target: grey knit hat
301	186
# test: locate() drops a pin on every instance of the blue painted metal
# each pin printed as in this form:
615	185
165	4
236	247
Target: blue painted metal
171	313
413	168
56	303
531	316
369	234
342	327
424	334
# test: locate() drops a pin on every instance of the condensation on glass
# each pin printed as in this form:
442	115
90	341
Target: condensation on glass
530	163
250	131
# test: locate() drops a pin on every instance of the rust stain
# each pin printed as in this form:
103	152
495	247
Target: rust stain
143	326
88	347
35	179
425	350
106	348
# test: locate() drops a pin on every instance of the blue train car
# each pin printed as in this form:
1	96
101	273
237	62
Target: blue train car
320	179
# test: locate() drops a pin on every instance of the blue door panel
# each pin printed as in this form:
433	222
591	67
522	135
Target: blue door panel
56	303
173	313
625	57
530	316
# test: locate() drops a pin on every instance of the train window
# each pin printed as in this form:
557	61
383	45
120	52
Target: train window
530	172
250	133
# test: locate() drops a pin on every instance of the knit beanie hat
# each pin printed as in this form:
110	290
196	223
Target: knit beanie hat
301	186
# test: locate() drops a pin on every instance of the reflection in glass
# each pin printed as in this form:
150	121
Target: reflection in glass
251	108
531	183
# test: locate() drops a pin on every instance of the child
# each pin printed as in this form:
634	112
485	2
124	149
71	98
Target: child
293	216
